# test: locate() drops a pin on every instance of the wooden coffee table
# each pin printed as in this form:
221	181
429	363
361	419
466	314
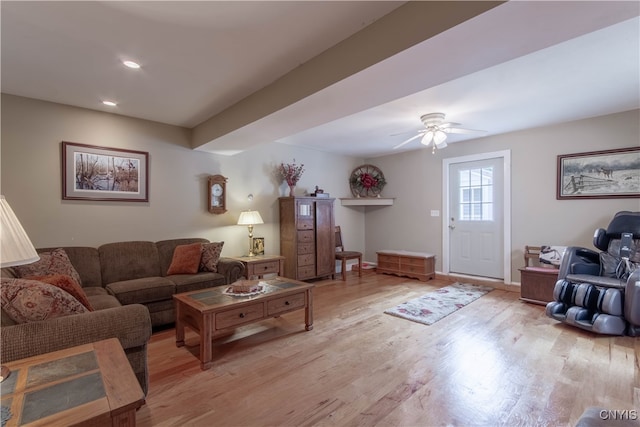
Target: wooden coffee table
91	384
210	312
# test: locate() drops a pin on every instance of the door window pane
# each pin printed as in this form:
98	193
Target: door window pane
476	194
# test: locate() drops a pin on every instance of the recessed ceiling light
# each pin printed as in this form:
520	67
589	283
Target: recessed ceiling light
109	103
131	64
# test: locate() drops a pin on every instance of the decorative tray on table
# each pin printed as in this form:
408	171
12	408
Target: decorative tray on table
245	288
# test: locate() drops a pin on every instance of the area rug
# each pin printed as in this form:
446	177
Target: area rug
435	305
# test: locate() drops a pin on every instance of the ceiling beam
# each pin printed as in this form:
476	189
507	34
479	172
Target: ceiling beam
406	26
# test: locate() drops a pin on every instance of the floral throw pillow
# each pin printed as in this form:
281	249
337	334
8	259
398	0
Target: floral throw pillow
186	259
210	256
67	284
31	301
54	262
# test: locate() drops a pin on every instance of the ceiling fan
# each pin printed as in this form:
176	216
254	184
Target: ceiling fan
436	130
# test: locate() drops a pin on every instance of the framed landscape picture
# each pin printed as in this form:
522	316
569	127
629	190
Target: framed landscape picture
607	174
107	174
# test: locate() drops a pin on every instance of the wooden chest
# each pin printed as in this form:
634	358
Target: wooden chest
418	265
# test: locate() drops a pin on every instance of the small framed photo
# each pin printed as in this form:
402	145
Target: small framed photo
258	245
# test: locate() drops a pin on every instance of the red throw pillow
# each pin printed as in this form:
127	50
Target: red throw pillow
186	259
66	283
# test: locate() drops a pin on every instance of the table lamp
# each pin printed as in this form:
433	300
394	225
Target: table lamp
250	218
15	248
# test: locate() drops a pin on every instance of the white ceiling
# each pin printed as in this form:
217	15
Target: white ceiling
517	66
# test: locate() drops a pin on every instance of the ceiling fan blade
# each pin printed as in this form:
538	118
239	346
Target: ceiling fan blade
408	140
448	125
405	132
463	131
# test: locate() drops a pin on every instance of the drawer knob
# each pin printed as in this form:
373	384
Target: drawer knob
287	303
241	315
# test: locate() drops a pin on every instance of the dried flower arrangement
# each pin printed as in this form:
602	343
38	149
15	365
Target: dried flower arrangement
291	172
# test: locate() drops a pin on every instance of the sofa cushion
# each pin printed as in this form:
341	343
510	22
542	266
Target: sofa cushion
54	262
31	301
210	256
95	291
100	298
66	283
186	259
194	282
128	260
102	302
143	290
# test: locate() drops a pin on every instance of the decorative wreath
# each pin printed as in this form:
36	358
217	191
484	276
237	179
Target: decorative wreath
367	181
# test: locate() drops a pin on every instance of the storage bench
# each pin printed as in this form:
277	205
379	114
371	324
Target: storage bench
418	265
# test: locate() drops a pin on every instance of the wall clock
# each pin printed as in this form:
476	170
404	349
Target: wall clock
217	200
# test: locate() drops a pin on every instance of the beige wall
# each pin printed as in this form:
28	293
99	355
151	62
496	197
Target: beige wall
32	132
30	179
537	217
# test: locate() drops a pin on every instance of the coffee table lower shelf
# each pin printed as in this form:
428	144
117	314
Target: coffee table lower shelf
210	312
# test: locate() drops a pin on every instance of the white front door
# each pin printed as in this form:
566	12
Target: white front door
475	218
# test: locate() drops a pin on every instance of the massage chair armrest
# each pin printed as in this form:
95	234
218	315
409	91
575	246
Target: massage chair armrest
632	300
577	260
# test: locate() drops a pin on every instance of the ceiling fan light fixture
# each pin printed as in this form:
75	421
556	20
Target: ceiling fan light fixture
427	138
436	130
439	138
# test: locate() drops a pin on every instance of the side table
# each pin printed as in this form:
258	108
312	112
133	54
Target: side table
89	385
537	284
259	265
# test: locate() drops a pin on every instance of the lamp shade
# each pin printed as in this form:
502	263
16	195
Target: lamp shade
250	218
16	248
439	137
427	138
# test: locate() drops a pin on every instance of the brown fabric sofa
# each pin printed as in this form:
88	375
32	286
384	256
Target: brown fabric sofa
130	324
127	286
136	273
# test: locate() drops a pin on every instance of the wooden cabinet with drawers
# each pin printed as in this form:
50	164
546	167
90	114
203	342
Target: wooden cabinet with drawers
418	265
307	237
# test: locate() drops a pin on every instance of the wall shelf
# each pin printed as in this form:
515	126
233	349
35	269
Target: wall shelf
366	201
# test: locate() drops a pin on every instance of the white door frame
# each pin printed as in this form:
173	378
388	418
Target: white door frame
506	159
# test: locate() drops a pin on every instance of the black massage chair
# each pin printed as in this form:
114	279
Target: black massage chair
600	292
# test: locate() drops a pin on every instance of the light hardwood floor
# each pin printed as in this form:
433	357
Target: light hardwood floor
496	362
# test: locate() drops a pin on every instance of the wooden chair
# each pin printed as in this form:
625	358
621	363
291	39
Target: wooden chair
344	256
